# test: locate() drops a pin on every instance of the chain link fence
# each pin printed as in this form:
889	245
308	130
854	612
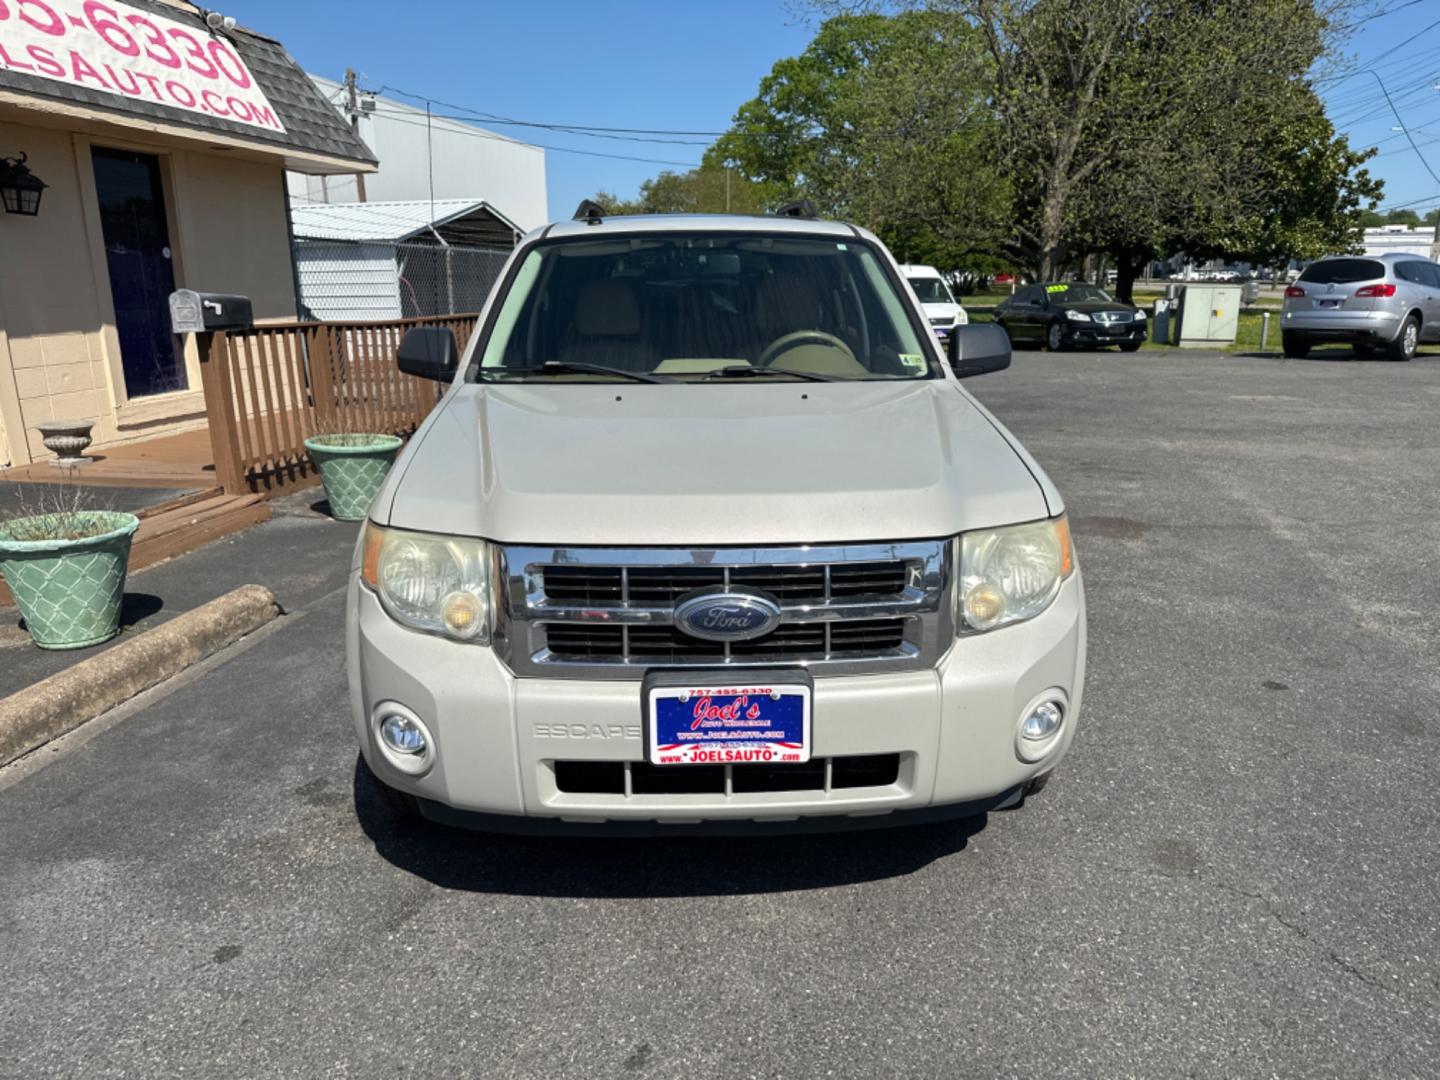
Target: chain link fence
343	281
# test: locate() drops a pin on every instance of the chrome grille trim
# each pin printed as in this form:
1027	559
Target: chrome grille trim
524	608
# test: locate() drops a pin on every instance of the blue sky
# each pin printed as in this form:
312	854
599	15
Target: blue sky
687	64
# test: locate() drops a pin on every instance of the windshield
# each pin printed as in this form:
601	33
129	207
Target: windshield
931	290
1074	293
1343	271
704	305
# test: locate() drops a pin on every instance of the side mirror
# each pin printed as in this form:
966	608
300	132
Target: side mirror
428	352
978	349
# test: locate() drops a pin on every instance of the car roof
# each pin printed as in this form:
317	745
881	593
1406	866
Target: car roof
1387	256
625	224
918	268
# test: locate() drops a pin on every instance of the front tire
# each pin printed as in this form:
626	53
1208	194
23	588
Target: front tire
1406	342
1131	346
1294	346
1055	337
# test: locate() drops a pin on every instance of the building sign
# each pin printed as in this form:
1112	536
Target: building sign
114	48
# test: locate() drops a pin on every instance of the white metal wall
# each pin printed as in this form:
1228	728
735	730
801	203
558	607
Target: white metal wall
469	163
342	281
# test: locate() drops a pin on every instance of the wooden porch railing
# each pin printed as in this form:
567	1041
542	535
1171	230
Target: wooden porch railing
270	388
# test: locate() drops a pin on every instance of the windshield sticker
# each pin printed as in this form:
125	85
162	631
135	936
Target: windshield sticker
913	361
1057	288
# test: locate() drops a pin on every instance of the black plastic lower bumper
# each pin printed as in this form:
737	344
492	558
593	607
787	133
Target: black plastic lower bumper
552	826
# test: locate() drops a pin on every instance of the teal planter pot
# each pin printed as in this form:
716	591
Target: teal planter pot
352	470
68	591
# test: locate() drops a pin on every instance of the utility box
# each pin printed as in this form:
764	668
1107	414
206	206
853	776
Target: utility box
1209	316
1160	322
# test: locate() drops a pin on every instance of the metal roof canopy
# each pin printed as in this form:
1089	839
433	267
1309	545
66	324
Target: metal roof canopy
462	222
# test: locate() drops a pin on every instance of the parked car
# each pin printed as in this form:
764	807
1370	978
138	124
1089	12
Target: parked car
1387	303
1061	314
941	308
707	533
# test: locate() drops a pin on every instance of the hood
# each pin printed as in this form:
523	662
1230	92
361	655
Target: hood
712	464
940	308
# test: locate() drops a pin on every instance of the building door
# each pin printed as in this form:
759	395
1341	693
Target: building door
137	252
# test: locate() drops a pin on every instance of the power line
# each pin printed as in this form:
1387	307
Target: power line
1379	14
1401	122
478	134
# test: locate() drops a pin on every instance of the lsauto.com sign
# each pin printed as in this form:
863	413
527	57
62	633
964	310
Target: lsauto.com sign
115	48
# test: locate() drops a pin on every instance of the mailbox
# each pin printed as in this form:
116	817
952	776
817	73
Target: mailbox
194	312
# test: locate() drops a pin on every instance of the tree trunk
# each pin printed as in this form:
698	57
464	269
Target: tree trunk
1128	262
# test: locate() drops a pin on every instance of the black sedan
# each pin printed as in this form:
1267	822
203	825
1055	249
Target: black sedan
1065	313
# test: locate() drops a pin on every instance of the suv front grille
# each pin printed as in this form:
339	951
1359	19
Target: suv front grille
609	613
666	585
667	645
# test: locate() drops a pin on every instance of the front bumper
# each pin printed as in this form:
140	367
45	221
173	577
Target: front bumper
497	737
1077	333
1342	326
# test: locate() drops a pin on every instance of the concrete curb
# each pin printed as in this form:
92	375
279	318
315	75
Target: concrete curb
32	717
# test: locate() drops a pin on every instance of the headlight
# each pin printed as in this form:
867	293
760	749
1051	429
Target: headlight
1139	315
1077	316
1011	574
439	584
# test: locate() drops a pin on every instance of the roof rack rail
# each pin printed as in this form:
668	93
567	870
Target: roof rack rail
590	212
800	208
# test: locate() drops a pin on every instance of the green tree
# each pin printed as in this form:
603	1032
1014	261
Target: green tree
710	189
1403	217
614	206
1128	123
884	121
1433	218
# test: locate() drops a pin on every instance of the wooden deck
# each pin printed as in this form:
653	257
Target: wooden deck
169	461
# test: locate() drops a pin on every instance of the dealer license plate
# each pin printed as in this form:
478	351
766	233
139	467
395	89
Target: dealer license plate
1329	303
762	723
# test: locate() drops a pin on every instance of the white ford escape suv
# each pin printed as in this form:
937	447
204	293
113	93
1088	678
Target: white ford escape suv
707	534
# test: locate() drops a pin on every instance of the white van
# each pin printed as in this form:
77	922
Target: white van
943	313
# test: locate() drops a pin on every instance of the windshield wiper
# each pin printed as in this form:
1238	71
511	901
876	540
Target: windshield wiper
564	367
741	371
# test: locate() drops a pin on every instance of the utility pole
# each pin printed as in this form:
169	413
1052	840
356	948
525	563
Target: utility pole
352	109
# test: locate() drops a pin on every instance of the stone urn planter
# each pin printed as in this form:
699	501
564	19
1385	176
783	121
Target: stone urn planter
67	440
67	574
352	468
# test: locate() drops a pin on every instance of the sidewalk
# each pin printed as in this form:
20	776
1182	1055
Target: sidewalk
299	554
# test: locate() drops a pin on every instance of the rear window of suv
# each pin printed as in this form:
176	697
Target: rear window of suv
1343	271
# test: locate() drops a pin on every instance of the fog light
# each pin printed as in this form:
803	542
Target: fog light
462	614
1044	721
402	734
402	738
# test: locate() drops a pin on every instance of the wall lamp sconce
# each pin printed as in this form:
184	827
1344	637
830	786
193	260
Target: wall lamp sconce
20	189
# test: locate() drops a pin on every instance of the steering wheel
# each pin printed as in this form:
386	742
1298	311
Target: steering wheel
797	338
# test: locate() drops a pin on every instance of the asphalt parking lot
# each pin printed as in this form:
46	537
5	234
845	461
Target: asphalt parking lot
1235	874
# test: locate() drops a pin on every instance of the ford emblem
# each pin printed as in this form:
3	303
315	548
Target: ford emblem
727	615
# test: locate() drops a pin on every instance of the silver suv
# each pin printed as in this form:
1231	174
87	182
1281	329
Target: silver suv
707	532
1386	303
